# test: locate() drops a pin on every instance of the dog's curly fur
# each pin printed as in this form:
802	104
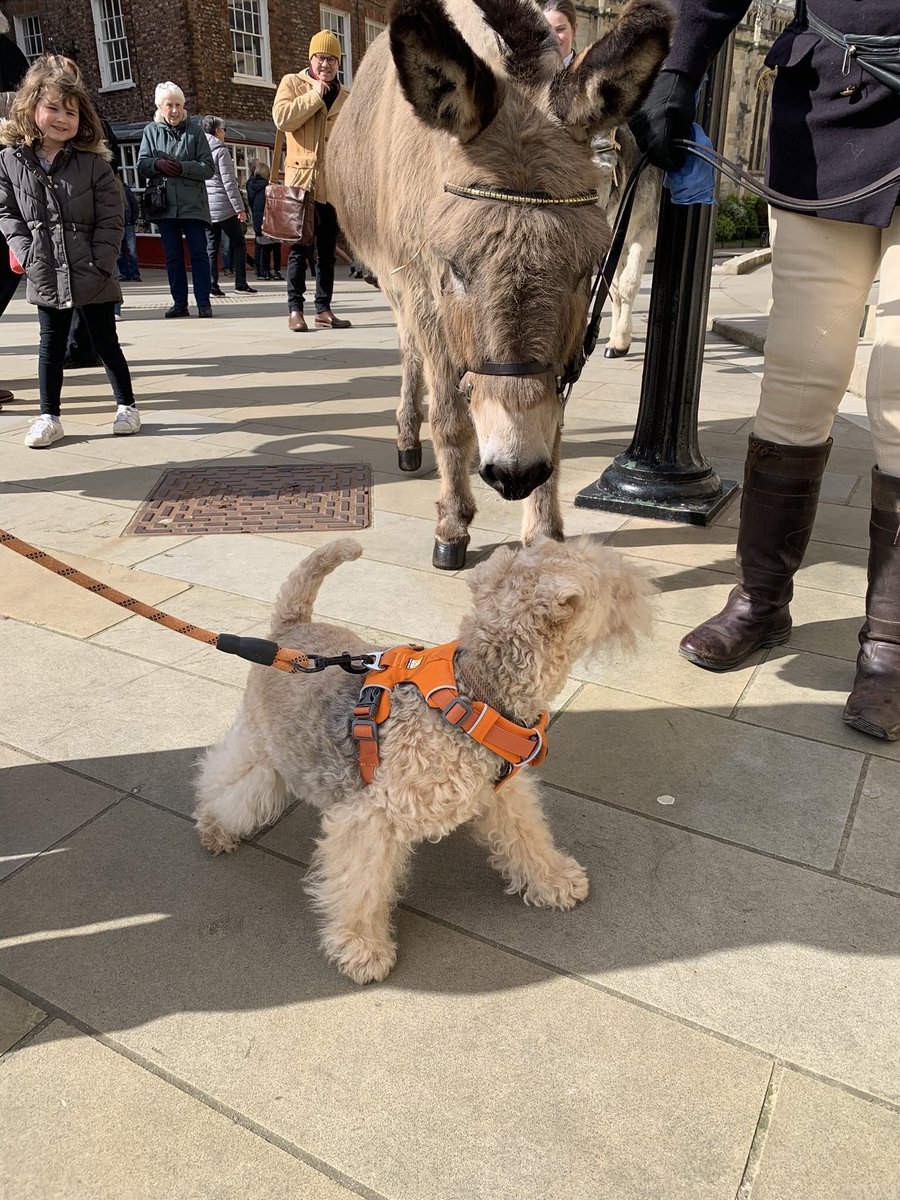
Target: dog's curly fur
536	611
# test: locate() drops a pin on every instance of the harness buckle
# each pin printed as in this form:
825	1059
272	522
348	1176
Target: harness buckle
363	730
456	711
367	704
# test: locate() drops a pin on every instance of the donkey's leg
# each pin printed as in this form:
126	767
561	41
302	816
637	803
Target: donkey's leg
542	513
409	410
454	448
624	293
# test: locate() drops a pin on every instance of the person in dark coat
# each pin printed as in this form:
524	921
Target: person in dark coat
174	146
268	252
835	129
61	213
13	65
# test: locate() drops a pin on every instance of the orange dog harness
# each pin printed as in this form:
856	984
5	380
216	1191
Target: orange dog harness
431	671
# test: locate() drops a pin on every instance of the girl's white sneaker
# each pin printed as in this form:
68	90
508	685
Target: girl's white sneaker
44	432
128	419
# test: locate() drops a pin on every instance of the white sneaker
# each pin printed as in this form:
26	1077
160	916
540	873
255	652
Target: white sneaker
44	431
128	419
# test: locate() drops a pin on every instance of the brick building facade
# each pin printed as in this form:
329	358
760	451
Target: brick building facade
227	55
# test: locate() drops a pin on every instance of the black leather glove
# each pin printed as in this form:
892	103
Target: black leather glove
168	166
666	116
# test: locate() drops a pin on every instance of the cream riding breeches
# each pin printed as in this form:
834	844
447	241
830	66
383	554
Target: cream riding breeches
822	272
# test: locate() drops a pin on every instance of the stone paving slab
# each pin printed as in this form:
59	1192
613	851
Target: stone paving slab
83	1123
492	1076
33	593
804	694
363	592
873	852
798	964
117	719
756	787
39	804
17	1019
824	1144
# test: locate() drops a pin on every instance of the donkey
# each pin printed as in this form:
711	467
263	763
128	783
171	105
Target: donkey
617	153
462	175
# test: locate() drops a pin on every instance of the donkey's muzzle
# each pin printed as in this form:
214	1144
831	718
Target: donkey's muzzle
515	483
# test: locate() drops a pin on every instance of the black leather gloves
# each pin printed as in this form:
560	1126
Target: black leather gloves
168	166
667	115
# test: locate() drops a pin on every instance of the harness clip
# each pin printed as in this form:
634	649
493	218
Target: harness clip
456	711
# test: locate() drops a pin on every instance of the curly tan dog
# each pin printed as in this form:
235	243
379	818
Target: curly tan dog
536	611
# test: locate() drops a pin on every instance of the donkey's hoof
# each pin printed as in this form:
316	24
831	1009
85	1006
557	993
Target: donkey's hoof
612	352
410	460
449	556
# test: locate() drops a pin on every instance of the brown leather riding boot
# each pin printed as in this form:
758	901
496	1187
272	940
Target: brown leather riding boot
874	704
778	507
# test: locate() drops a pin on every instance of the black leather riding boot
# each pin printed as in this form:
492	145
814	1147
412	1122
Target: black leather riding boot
874	704
778	507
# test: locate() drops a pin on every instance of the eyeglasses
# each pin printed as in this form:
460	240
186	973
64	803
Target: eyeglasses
325	60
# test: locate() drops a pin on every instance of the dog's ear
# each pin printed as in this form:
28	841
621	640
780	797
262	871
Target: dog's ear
558	599
486	576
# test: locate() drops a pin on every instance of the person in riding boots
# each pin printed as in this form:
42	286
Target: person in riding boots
306	107
835	129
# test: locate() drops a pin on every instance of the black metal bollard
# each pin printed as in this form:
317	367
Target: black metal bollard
663	473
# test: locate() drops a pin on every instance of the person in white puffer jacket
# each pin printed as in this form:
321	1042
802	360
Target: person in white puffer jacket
226	210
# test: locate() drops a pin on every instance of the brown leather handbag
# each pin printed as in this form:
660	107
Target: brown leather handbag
290	212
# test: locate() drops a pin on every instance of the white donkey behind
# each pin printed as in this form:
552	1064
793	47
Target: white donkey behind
616	153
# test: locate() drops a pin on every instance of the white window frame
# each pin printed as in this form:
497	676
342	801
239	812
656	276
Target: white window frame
373	28
29	35
108	84
338	22
129	152
264	79
242	154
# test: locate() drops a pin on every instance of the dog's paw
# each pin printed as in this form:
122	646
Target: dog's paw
215	839
563	888
363	959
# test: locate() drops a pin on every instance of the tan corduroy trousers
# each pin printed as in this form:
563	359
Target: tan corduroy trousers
822	272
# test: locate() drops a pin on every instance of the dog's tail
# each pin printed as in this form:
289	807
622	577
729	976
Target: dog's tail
294	603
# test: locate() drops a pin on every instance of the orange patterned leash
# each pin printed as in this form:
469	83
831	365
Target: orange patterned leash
257	650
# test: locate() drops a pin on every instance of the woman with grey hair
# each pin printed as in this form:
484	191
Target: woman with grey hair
226	210
174	149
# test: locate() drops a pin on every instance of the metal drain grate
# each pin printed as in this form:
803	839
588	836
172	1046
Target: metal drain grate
246	499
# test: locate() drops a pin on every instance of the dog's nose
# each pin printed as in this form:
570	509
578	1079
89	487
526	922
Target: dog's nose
515	483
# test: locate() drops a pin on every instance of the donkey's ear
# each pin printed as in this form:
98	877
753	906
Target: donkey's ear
447	84
527	43
609	81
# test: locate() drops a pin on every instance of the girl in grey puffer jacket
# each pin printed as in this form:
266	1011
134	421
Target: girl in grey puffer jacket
61	212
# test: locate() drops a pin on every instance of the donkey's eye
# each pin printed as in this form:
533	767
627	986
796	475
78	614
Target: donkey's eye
454	277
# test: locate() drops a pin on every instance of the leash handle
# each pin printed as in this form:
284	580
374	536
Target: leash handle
256	650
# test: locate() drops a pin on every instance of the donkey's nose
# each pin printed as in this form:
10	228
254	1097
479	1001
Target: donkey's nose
515	483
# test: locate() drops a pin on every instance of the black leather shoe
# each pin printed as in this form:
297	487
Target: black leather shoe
248	288
204	310
216	291
177	310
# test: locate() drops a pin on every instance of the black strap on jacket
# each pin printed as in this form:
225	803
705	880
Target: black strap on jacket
877	54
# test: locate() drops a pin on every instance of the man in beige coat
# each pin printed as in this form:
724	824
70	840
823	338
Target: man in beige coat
306	107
